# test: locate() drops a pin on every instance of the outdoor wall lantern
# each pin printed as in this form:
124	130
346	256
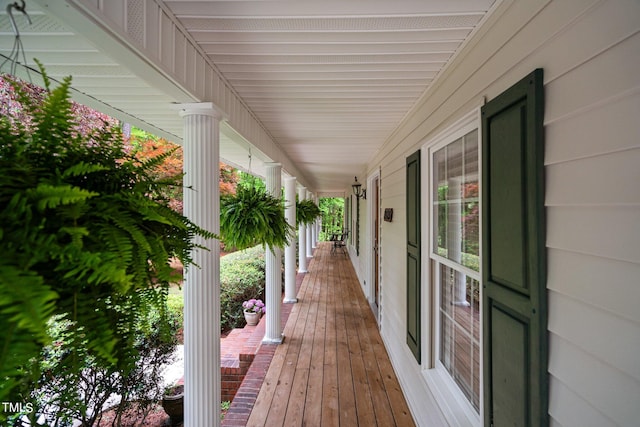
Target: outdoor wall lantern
359	192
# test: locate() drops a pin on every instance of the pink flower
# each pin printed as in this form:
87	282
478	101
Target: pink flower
254	305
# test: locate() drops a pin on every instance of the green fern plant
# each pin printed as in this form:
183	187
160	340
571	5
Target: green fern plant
253	217
86	233
306	212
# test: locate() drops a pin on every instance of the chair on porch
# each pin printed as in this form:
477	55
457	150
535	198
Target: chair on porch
338	240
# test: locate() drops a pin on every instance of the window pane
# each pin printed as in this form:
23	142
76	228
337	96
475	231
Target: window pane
470	204
440	205
456	209
459	330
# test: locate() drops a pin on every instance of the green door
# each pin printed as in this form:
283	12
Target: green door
513	253
413	254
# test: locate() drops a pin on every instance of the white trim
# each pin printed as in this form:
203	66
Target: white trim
460	128
201	108
454	265
371	273
454	404
425	271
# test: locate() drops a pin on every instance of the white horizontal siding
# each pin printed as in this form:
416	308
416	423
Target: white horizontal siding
593	210
609	391
590	52
576	137
570	410
604	231
589	279
606	179
600	78
598	332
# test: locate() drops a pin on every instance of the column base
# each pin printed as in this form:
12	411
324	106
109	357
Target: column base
290	300
279	340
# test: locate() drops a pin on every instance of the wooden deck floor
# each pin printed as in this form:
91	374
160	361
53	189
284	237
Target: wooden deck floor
332	369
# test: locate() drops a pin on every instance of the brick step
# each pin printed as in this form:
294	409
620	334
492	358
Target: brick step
237	351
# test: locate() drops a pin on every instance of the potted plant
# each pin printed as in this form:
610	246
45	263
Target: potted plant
253	310
306	212
173	403
251	217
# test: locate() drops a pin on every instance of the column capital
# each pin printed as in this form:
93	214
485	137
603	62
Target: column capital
200	108
273	164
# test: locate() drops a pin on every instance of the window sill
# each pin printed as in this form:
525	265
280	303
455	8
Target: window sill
454	405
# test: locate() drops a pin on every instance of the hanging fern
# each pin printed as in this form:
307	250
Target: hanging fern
252	217
306	212
85	233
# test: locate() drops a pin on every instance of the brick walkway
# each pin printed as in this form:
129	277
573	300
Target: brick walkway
233	354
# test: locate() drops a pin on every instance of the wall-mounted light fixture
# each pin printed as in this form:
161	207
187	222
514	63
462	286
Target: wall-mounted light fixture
359	192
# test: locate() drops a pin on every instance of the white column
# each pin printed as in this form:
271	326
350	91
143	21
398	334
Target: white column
302	237
273	271
290	250
314	235
308	231
316	225
202	284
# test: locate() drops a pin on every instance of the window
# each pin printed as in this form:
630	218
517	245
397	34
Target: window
455	262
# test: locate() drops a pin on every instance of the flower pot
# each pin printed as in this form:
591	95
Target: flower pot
173	405
252	318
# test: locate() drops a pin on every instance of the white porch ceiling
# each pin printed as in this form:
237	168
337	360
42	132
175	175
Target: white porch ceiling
329	81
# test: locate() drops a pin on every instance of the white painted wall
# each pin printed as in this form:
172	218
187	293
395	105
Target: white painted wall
590	52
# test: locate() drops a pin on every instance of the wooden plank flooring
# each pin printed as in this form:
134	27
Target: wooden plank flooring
332	369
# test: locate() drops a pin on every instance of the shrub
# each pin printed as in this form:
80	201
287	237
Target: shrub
242	277
175	309
254	254
61	397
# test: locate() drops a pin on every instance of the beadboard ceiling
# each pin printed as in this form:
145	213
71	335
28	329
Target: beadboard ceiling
328	80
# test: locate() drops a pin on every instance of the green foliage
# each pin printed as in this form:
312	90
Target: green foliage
61	396
306	212
332	209
253	217
175	307
86	234
255	256
242	277
246	180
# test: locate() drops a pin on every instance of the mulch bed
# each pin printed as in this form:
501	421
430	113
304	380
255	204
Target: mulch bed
131	418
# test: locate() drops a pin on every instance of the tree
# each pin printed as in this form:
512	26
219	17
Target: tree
146	146
332	209
229	178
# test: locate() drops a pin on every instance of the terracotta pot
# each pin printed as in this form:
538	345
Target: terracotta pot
174	405
251	318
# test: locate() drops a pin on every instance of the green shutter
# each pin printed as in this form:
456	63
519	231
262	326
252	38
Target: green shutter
413	254
513	257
